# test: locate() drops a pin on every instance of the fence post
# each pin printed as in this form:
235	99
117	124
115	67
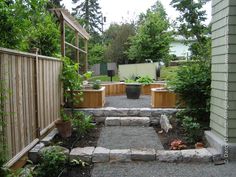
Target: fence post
36	50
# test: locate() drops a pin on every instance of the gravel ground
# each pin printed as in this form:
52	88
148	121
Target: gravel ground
157	169
129	137
123	102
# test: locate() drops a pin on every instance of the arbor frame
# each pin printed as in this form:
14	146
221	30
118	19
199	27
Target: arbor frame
66	19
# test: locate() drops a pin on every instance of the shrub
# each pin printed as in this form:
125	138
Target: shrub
192	129
192	82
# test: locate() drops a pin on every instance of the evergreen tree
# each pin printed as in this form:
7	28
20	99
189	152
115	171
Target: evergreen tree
89	14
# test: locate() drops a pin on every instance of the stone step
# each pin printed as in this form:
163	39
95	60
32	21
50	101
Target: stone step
127	121
101	155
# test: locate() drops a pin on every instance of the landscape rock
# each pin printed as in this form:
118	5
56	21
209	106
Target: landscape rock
120	155
84	154
165	123
101	154
143	154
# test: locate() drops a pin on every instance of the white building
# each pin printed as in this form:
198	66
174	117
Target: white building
179	48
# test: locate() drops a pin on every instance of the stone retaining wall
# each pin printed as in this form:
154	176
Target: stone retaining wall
154	114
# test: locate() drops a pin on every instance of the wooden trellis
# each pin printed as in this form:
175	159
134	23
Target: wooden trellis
65	18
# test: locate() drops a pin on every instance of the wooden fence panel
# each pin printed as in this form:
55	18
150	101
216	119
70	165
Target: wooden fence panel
34	97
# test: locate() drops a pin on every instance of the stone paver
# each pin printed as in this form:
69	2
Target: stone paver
158	169
84	154
120	155
129	137
101	154
168	156
143	154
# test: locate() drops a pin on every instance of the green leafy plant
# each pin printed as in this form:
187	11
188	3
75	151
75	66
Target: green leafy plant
83	123
192	129
72	81
145	80
64	116
96	84
52	163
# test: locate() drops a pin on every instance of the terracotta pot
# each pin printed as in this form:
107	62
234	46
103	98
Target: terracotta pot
64	128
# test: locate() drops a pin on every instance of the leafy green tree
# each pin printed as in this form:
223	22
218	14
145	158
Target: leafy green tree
152	40
89	14
33	27
96	53
117	37
191	25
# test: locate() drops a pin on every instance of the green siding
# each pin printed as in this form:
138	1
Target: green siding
223	100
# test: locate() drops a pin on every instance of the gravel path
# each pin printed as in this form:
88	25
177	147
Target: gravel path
129	137
123	102
157	169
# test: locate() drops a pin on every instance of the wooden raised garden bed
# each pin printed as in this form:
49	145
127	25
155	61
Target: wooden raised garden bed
146	89
116	89
162	98
92	98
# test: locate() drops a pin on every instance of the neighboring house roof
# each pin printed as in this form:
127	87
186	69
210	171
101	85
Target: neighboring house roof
182	38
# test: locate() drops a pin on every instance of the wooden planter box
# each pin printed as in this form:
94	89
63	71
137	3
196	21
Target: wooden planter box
146	89
92	98
114	89
118	88
162	98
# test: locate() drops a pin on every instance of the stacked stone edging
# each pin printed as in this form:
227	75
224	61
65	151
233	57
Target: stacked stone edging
100	114
101	155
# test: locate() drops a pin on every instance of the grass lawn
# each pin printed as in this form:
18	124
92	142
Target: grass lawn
105	78
168	72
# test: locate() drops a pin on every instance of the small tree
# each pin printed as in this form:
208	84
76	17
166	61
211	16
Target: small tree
118	42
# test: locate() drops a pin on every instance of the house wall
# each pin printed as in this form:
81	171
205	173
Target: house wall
223	94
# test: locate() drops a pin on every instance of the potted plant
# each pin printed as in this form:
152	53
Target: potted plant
63	125
133	89
146	82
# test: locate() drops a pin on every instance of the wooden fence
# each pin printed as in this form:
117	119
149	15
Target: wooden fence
34	97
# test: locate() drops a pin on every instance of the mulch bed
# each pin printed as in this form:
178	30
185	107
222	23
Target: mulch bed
176	132
90	139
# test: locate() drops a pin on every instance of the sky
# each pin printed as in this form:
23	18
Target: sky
127	10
